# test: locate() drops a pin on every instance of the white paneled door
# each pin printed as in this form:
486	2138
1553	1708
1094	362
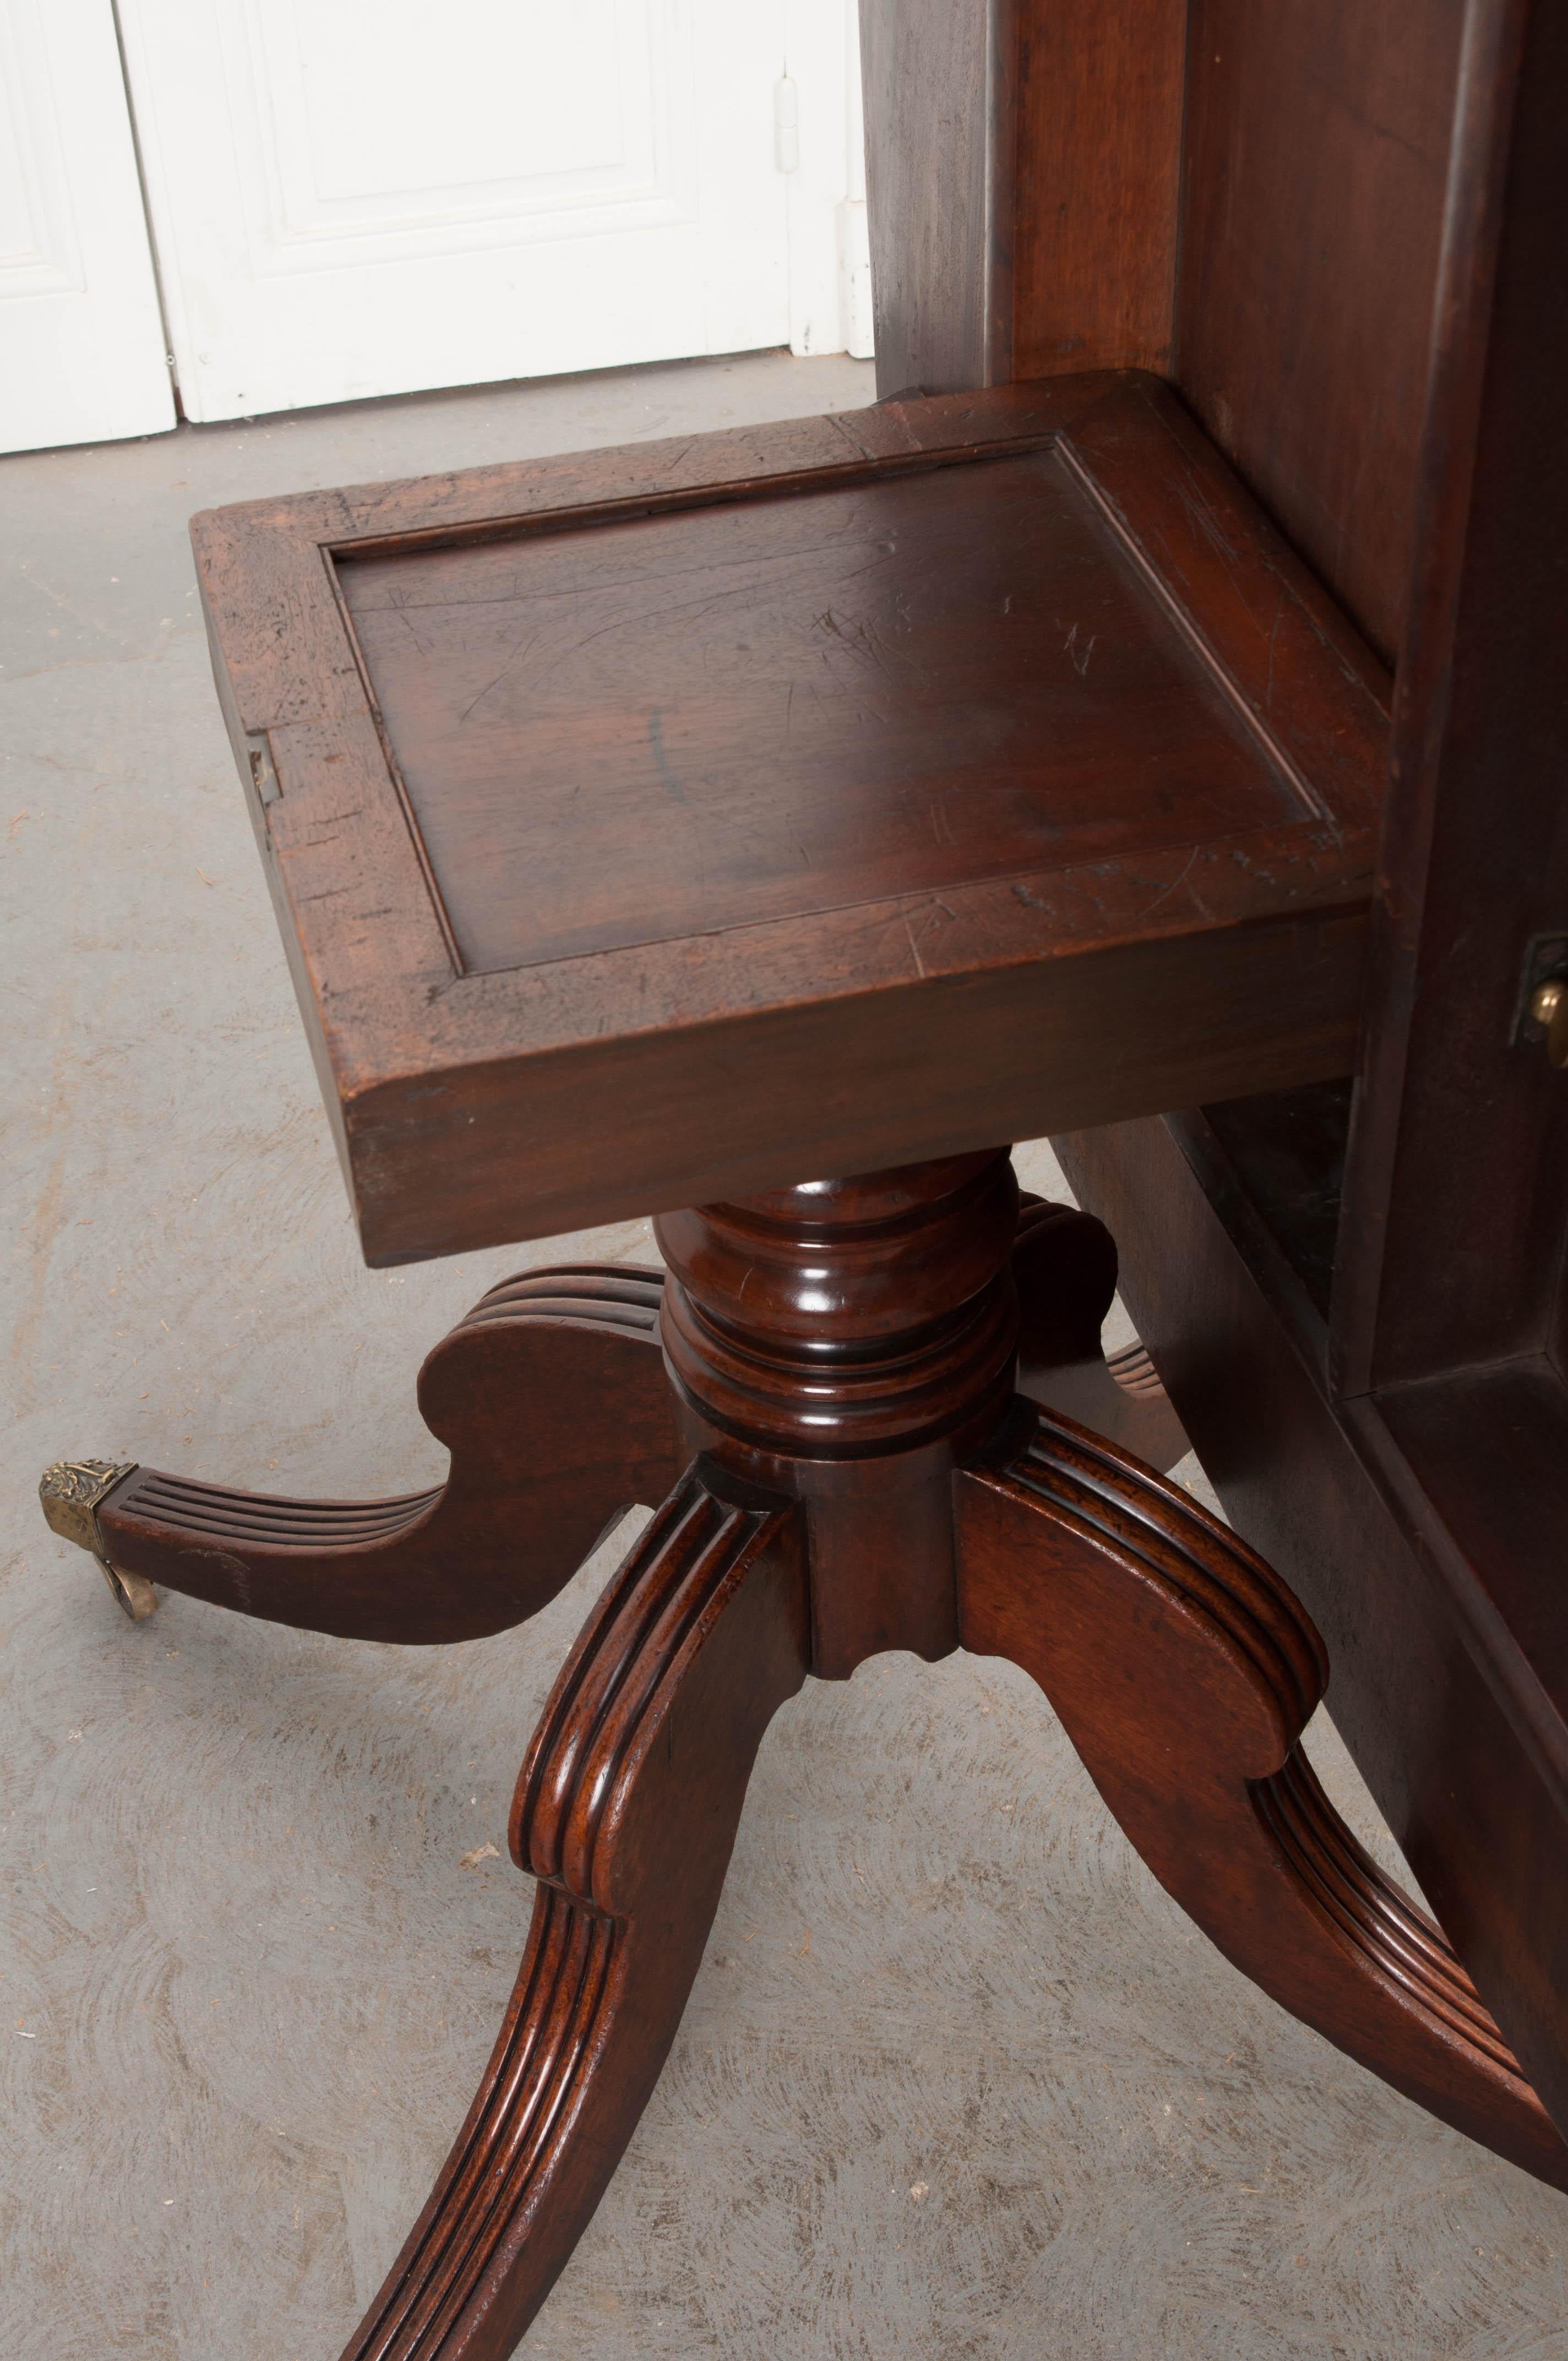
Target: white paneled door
81	349
351	200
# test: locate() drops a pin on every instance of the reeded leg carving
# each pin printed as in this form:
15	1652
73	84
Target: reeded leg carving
841	1355
550	1395
1064	1266
626	1812
552	1399
1184	1672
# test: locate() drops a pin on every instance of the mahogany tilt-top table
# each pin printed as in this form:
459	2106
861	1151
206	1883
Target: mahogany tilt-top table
660	828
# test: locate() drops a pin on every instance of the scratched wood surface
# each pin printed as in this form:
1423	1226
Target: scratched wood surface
703	720
941	738
259	1983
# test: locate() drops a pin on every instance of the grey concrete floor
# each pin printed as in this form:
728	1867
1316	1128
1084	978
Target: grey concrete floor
957	2077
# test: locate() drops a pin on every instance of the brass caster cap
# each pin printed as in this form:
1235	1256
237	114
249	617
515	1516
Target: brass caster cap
133	1593
69	1494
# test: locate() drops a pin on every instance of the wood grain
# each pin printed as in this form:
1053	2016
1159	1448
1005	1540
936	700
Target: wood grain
1022	165
845	1342
1248	200
554	1426
939	83
626	1810
1370	323
552	1397
1100	91
1314	170
500	1103
1426	1673
916	683
1184	1672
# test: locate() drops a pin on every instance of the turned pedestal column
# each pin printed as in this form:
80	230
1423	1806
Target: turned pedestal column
846	1343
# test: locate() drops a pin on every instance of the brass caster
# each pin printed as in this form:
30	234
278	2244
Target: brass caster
132	1592
69	1493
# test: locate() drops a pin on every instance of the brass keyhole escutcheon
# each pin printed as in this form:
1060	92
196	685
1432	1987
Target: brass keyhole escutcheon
1549	1007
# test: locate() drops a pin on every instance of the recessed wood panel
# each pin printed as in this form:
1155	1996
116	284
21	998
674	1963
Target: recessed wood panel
653	826
630	732
1316	153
